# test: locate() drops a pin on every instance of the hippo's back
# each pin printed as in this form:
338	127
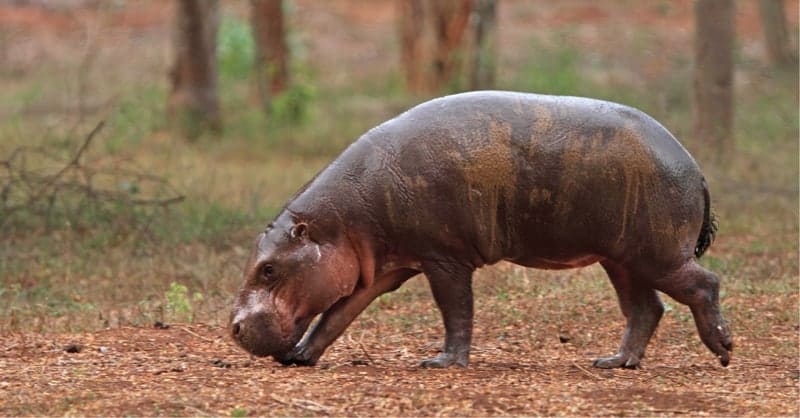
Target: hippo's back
544	181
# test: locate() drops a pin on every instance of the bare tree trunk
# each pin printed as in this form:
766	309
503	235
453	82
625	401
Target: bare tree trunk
431	37
776	37
712	104
417	44
272	52
451	18
483	58
194	102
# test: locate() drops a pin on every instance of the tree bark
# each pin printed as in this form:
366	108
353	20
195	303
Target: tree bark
431	41
451	19
412	25
272	52
482	50
712	99
194	102
776	37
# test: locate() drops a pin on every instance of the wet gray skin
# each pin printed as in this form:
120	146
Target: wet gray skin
472	179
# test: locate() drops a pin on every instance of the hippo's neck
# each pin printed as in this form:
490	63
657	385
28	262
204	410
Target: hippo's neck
335	203
335	199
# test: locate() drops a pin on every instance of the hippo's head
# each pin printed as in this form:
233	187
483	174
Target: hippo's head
295	272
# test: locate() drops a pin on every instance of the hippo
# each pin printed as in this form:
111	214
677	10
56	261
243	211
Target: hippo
472	179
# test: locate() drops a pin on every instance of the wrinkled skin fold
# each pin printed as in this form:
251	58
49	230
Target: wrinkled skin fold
472	179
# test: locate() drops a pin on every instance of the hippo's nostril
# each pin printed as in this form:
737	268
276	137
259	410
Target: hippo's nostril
235	329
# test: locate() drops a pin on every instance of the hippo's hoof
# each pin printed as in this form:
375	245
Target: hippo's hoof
619	360
724	352
444	360
718	339
296	361
299	356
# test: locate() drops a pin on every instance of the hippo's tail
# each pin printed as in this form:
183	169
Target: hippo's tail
709	229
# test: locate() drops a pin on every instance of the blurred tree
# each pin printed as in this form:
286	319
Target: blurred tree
431	35
776	37
193	103
712	104
481	65
272	53
412	52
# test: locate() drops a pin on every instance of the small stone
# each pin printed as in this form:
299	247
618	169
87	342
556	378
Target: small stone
103	349
221	364
73	348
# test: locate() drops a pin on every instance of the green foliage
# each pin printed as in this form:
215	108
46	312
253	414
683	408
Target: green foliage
243	118
239	412
44	190
209	223
179	304
551	71
235	49
292	106
769	119
24	97
712	263
138	115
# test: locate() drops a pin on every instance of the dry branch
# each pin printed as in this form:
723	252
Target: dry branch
30	189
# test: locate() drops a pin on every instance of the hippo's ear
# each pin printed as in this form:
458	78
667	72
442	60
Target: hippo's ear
299	230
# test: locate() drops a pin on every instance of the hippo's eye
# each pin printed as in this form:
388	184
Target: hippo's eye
267	270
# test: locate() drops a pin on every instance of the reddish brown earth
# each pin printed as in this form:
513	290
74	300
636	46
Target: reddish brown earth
196	370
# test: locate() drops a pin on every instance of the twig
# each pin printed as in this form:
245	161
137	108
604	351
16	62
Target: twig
197	335
738	392
198	411
578	366
72	188
369	358
760	364
157	202
74	162
302	403
583	369
618	374
672	411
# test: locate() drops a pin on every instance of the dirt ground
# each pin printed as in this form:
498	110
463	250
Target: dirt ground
196	370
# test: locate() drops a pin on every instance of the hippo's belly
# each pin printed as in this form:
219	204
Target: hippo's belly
567	263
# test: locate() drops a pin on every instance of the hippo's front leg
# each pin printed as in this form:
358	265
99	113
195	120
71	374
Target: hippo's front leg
336	319
451	285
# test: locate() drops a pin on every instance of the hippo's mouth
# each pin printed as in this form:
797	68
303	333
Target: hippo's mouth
298	342
291	344
261	337
264	346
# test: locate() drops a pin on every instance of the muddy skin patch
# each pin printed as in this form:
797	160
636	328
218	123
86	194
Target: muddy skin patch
490	176
538	197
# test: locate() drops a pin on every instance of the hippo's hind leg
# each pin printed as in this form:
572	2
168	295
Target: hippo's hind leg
451	285
698	288
642	309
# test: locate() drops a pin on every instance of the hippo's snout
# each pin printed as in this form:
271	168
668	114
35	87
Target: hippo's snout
259	334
